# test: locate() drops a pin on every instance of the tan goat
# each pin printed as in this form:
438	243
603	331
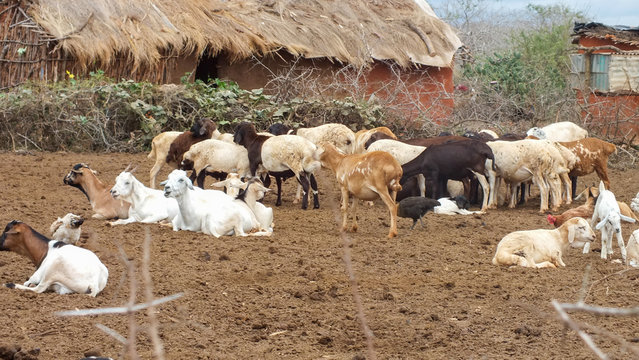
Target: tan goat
367	177
103	204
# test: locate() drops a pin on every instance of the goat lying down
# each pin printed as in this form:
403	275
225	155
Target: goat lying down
213	212
543	248
456	206
67	228
62	268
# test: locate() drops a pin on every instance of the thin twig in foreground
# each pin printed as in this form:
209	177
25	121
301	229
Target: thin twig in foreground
582	334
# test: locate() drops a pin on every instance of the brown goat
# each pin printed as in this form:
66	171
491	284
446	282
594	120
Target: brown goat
104	206
367	177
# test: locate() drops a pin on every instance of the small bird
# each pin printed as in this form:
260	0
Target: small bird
415	207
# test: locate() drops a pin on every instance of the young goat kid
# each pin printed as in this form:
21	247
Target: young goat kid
62	268
609	217
67	228
543	248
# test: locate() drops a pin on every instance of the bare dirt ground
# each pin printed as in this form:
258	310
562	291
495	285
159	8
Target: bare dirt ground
431	293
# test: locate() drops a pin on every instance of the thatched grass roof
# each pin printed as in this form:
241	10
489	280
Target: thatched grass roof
349	31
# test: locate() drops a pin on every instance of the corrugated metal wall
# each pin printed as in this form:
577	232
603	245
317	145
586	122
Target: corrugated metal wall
623	73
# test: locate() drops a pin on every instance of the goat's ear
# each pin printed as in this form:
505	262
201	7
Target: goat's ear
571	233
189	184
602	187
626	218
601	223
219	184
164	182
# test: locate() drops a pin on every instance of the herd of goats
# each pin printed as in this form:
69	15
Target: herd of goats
411	177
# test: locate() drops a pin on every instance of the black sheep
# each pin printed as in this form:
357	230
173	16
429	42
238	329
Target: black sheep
415	207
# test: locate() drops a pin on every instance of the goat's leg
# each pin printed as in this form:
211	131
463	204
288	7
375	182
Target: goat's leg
278	182
315	192
303	180
565	180
353	212
344	208
421	182
573	179
604	244
200	177
392	209
622	246
159	162
485	188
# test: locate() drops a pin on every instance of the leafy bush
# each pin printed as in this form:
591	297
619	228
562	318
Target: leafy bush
98	113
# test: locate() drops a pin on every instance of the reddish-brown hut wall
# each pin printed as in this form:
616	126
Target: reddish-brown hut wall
415	93
617	115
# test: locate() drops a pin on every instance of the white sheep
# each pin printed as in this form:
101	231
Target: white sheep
338	135
147	205
543	248
67	228
279	154
607	216
216	156
62	267
524	160
559	131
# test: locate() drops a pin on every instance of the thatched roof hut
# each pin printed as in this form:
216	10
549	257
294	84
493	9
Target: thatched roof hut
147	34
160	40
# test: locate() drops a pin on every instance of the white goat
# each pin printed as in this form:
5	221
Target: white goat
234	185
147	205
193	203
559	131
62	268
67	228
210	211
543	248
608	218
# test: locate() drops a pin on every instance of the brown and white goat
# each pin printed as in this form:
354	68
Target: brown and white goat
104	206
61	267
592	156
367	177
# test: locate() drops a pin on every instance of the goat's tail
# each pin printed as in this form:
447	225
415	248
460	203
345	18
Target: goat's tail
394	185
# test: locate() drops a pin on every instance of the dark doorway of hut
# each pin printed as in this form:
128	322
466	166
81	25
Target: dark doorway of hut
206	68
